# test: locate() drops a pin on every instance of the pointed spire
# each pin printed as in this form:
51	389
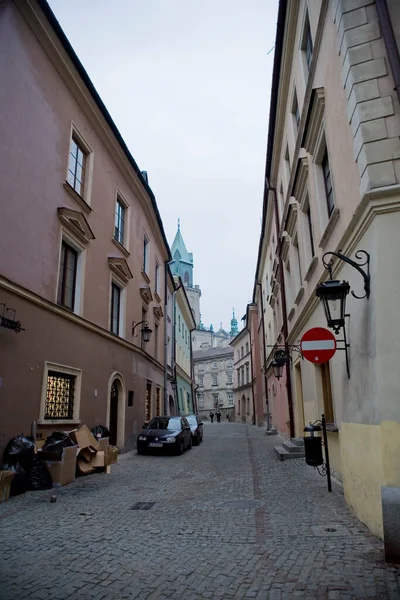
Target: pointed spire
234	324
179	224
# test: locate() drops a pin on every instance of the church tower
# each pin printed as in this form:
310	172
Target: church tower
234	325
182	266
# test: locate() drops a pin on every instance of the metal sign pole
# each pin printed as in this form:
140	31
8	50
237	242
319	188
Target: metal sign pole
328	468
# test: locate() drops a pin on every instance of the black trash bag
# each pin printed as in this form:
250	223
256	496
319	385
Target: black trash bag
56	442
39	477
19	450
20	481
100	432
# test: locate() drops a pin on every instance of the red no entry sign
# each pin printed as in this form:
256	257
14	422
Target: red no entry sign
318	345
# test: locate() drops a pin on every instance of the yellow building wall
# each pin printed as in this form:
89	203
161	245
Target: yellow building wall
334	455
361	452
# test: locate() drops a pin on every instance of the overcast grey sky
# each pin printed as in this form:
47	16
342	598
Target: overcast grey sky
187	83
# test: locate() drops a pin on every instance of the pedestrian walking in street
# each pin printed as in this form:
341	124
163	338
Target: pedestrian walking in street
228	417
212	416
218	415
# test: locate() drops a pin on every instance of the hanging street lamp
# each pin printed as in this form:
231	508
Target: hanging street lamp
333	294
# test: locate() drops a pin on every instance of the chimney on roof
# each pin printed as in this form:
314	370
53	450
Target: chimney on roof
144	175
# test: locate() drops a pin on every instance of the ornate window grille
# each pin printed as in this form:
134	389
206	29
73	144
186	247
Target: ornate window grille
60	395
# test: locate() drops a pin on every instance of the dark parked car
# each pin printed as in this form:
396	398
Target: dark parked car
196	427
168	434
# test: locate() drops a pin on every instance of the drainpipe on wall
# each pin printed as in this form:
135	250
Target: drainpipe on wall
166	403
174	351
284	312
265	358
390	41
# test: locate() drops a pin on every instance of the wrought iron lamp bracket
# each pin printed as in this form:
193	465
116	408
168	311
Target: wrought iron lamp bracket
134	325
362	262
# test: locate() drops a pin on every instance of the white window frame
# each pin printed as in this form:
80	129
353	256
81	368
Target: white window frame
119	198
87	183
122	308
67	370
80	271
157	278
146	254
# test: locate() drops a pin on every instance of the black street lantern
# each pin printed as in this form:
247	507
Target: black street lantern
280	360
146	333
333	296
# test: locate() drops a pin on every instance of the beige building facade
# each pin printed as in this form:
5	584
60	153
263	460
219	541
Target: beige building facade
243	378
213	373
333	185
84	253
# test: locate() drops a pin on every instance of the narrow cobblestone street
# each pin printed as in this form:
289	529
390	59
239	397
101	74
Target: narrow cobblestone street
201	539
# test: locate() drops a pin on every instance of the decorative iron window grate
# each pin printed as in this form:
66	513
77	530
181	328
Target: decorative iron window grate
60	394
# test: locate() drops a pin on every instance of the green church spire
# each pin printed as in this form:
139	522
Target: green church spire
234	325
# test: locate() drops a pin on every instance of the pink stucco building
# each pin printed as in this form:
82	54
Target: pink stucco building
83	250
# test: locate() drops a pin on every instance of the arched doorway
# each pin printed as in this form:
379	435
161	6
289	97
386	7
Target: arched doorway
116	410
114	413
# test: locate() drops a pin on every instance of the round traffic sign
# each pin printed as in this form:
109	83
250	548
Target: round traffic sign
318	345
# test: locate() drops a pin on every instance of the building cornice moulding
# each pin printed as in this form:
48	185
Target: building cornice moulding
75	222
33	298
120	268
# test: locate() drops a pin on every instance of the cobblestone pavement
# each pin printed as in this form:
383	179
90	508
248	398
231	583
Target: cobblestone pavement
199	540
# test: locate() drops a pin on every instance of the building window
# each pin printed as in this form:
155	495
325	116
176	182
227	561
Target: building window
307	43
297	263
60	395
310	231
214	365
201	367
119	228
229	378
115	308
287	170
130	398
230	399
247	373
145	264
158	401
296	110
242	351
67	276
76	166
248	406
201	380
247	347
330	200
179	322
215	400
148	402
215	379
157	283
156	341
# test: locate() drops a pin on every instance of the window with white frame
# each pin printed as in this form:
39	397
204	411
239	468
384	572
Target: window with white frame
330	199
247	347
230	399
157	278
307	42
145	258
229	378
201	380
296	263
295	112
248	406
238	377
116	312
247	373
120	221
77	165
215	379
60	393
67	276
286	166
288	285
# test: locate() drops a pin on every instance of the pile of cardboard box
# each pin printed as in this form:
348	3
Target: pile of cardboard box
86	456
5	484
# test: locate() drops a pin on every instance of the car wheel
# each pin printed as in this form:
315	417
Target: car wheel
181	447
201	439
140	451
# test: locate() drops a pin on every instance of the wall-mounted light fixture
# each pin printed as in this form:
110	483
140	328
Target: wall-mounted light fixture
333	293
9	323
145	331
282	358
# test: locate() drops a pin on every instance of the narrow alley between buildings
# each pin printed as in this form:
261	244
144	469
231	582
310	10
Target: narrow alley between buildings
225	520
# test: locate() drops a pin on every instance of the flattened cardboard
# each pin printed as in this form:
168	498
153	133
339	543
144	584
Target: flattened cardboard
102	444
98	460
5	484
84	437
112	455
